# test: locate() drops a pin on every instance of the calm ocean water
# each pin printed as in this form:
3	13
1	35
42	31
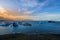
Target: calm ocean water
37	27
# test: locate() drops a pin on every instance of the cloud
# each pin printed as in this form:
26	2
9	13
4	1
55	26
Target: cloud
6	14
49	16
24	12
28	8
28	3
31	5
41	5
41	16
52	5
37	6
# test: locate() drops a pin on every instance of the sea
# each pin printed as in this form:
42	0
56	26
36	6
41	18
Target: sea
30	27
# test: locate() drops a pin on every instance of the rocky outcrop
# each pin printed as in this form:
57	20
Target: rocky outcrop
20	23
15	24
51	22
5	24
27	24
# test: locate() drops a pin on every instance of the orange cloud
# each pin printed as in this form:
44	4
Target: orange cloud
8	15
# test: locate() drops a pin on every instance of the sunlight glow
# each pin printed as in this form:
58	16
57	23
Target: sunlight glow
2	10
6	14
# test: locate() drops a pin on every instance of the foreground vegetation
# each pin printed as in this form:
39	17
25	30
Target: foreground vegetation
30	37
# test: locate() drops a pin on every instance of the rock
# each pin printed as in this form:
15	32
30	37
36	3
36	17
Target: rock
5	24
20	23
15	24
51	21
27	24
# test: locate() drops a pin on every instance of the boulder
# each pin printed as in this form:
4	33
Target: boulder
27	24
5	24
15	24
20	23
51	21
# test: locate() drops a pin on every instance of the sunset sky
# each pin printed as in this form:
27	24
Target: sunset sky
30	9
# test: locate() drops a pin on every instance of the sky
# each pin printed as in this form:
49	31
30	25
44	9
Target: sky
33	9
